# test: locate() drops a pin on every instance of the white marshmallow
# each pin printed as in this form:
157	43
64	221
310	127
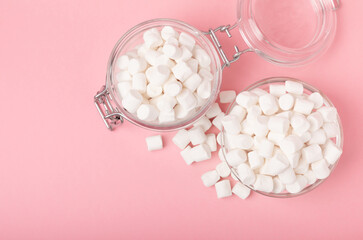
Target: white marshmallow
182	71
211	142
312	153
242	141
220	137
331	152
165	103
187	156
181	139
181	113
317	99
123	88
200	101
246	174
329	114
247	127
147	112
152	38
303	106
139	82
166	116
154	143
152	57
123	76
236	157
294	87
193	64
286	101
331	129
260	127
294	158
186	99
205	74
246	99
278	185
213	111
321	169
193	82
172	88
187	40
132	101
168	32
302	166
238	111
217	121
266	148
276	138
275	165
205	89
123	62
186	55
202	56
316	121
157	75
277	89
318	137
255	160
264	183
268	104
197	135
258	91
137	65
141	50
300	124
241	190
285	114
223	169
291	144
221	155
231	124
223	189
210	178
287	176
310	176
227	96
298	185
153	90
278	124
200	153
172	51
204	123
172	40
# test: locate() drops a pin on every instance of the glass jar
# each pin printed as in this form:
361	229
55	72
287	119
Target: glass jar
308	89
299	32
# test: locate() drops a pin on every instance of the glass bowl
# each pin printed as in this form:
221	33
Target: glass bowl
134	37
308	89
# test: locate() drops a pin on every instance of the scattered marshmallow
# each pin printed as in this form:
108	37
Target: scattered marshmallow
204	123
154	143
241	190
181	139
223	169
200	153
210	178
211	142
197	135
223	189
227	96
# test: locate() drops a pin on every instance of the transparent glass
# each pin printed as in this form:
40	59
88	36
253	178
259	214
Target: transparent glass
288	32
133	38
308	89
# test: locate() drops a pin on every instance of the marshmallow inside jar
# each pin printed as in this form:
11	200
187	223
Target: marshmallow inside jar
300	143
163	75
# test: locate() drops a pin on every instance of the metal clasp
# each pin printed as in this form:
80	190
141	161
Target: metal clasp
225	29
110	115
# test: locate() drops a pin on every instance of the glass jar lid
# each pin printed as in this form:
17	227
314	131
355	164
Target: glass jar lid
287	32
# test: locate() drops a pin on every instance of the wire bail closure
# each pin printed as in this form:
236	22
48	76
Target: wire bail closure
225	29
111	116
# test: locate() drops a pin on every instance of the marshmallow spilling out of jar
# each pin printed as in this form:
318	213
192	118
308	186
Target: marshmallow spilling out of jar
276	141
166	78
281	140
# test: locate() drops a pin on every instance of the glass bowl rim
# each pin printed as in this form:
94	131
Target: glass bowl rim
339	139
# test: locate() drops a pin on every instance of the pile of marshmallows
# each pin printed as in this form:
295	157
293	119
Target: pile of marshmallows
165	79
277	141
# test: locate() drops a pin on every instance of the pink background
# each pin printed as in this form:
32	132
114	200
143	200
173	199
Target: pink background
64	176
